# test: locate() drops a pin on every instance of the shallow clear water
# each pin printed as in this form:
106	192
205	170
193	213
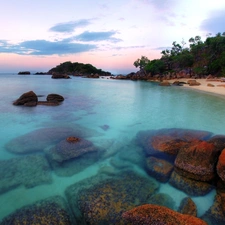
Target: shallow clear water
127	107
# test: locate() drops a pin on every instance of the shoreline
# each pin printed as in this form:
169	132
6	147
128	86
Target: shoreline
213	89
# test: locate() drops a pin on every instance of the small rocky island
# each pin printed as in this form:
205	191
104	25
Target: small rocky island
31	99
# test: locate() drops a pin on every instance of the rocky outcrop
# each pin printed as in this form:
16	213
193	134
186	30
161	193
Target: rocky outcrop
154	214
159	168
60	76
31	99
24	73
221	166
197	161
28	99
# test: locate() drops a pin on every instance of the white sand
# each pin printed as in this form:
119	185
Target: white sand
216	90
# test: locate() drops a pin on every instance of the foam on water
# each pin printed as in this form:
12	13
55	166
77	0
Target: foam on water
125	107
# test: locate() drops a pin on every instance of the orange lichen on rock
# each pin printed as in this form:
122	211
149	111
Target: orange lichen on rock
73	139
197	160
153	214
221	166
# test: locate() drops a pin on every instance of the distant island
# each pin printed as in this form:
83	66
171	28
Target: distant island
77	69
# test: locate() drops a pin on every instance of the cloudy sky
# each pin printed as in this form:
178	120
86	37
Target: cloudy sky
109	34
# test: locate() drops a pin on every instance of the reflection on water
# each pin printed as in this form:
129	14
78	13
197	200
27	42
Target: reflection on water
126	152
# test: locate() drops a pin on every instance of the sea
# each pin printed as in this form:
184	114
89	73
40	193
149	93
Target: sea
107	112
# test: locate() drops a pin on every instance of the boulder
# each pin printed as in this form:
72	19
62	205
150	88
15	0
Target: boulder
53	210
28	99
216	213
60	76
154	214
162	199
167	142
187	206
221	166
197	161
218	141
66	150
159	168
189	186
102	200
55	98
165	83
193	83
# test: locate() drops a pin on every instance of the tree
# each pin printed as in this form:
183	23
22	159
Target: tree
141	63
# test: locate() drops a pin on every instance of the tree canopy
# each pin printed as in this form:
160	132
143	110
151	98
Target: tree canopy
201	57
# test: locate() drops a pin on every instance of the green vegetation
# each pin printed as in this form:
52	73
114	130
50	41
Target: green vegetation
77	69
200	58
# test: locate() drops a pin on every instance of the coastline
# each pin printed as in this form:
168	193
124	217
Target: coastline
211	86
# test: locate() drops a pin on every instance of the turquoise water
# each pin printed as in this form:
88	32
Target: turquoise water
126	107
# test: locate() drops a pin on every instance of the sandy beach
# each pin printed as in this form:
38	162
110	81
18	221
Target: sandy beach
212	86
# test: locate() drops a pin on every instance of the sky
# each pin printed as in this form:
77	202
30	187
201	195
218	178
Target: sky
109	34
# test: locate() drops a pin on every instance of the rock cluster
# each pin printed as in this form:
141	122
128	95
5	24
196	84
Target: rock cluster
31	99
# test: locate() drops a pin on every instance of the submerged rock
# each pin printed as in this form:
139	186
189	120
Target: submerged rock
162	200
52	211
40	139
216	214
159	168
189	186
55	98
166	142
106	200
29	171
197	160
28	99
65	150
159	215
187	206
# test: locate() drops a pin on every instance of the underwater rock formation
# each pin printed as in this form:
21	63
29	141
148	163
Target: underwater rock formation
216	214
106	200
40	139
159	215
52	211
187	206
158	168
167	142
162	200
189	186
30	171
66	150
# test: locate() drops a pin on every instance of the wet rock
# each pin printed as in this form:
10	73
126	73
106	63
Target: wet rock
27	99
221	166
165	83
29	171
55	98
197	160
106	200
52	211
160	215
187	206
60	76
162	200
189	186
216	213
159	168
218	141
166	142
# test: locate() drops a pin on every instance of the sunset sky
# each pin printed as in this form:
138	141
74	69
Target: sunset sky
109	34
